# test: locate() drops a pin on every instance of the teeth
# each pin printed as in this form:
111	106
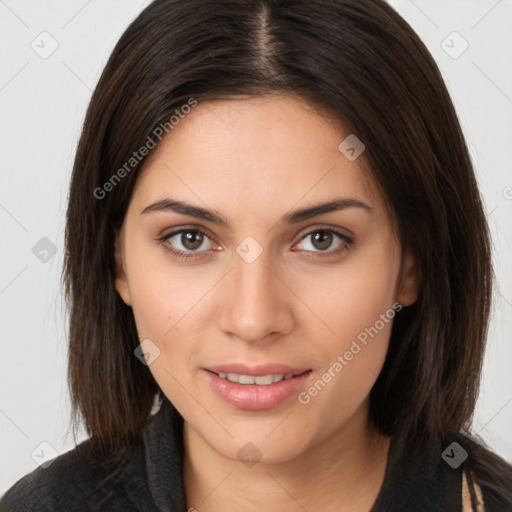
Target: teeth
245	379
261	380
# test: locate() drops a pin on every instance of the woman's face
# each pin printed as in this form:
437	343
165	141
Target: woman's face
269	288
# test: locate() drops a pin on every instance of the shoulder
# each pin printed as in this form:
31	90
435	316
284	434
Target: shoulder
445	471
74	482
487	477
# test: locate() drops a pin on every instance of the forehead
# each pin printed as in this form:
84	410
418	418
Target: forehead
259	153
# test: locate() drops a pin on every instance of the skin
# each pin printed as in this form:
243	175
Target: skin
253	161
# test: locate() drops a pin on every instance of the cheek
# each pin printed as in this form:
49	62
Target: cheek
163	302
161	293
169	304
152	303
352	296
356	309
349	365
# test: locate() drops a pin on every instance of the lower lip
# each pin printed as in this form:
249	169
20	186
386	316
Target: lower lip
254	396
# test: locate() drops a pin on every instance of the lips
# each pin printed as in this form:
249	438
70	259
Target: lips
250	387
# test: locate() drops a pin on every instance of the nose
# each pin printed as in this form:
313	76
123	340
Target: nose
256	303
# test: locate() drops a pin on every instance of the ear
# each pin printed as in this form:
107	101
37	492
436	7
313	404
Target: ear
409	283
121	281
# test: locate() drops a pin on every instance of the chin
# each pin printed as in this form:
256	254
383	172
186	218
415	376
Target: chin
262	448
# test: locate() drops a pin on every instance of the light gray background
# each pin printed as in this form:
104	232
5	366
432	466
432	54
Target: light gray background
42	105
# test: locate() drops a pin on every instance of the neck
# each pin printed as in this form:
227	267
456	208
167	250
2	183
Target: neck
344	471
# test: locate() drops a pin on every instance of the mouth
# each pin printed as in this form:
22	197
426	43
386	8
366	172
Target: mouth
256	388
259	380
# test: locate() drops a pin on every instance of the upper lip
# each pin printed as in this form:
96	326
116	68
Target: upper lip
256	370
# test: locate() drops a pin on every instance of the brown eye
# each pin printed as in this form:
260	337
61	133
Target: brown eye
321	240
187	241
191	239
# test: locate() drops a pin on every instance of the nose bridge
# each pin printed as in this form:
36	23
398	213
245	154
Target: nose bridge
253	306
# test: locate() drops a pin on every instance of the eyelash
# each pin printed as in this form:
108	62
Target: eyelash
348	241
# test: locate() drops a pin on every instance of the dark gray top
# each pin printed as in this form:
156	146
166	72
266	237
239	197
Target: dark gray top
149	478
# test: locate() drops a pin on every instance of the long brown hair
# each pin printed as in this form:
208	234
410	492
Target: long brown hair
358	62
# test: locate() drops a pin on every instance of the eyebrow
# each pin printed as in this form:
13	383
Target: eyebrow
336	204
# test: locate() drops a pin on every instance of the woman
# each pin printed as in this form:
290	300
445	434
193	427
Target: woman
278	269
